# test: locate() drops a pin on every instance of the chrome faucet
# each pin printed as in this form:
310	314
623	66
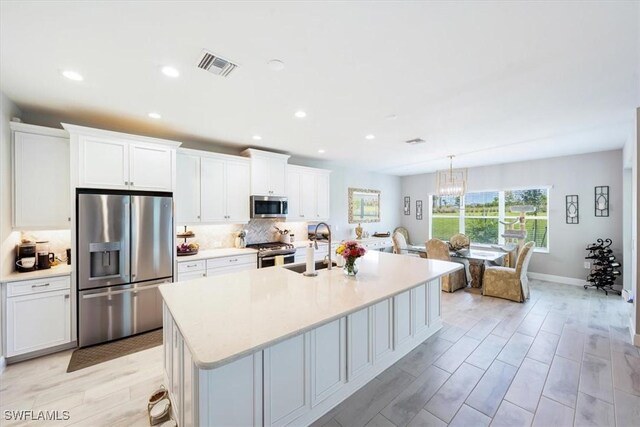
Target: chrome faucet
315	234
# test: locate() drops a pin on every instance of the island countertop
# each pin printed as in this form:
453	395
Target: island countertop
224	318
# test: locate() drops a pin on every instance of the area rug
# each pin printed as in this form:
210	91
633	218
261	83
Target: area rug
89	356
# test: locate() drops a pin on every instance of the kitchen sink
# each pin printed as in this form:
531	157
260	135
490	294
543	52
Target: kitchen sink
301	268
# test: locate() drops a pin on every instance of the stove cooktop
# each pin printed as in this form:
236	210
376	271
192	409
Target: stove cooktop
270	246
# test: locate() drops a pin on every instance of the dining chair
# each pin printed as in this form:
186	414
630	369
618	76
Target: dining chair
509	283
437	249
404	232
400	244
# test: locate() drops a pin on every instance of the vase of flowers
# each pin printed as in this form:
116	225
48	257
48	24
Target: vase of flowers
350	251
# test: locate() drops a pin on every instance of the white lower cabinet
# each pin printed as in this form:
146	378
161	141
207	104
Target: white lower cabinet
297	380
37	318
189	270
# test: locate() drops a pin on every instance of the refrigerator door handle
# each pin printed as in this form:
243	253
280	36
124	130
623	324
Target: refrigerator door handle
134	238
127	239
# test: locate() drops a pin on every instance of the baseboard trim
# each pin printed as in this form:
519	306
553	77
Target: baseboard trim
635	338
3	364
557	279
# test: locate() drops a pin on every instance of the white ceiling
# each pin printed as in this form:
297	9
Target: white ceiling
489	82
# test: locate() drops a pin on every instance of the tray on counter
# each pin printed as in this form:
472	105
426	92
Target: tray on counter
187	253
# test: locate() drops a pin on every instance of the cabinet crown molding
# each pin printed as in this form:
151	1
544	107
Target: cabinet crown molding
252	152
82	130
40	130
212	154
308	169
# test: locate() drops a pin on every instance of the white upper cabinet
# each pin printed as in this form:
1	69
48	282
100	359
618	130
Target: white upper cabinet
308	193
40	177
212	191
120	161
211	188
147	161
238	189
187	194
268	172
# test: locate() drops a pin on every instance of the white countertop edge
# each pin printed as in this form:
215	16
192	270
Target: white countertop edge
61	270
216	364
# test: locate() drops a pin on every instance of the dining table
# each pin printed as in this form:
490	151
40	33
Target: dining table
478	259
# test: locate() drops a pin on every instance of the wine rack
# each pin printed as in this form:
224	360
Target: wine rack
604	267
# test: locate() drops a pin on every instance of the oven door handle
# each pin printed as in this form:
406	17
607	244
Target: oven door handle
273	257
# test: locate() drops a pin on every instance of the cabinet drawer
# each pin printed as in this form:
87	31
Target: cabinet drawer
186	266
232	260
38	285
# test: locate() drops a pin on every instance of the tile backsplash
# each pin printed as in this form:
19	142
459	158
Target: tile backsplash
258	231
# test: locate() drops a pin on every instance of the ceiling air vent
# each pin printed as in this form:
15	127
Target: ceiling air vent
216	65
415	141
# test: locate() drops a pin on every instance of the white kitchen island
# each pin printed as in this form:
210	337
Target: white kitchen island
273	347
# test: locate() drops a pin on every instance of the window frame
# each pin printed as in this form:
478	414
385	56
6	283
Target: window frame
501	215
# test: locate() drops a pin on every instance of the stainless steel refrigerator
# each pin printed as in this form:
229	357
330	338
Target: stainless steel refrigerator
125	251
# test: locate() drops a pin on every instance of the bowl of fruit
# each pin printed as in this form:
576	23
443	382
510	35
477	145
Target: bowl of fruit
187	249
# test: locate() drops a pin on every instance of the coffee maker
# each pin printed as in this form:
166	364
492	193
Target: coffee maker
26	257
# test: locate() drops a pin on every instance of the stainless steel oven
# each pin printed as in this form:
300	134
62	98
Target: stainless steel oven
270	260
269	207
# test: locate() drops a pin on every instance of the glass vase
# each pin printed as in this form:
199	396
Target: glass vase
350	267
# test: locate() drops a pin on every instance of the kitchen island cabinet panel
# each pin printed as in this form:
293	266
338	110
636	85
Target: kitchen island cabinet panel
359	335
286	380
328	353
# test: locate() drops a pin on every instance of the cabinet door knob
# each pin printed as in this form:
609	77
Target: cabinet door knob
126	183
198	217
131	183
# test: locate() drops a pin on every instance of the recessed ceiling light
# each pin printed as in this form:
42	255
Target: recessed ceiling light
370	136
300	114
257	137
391	117
321	151
155	116
276	65
73	75
170	71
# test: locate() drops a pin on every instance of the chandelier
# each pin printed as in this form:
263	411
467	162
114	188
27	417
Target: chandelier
451	182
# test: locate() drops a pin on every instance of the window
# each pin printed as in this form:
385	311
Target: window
478	215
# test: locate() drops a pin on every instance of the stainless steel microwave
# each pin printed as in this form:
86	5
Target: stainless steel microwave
268	207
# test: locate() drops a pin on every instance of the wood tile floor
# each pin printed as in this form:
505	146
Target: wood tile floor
563	358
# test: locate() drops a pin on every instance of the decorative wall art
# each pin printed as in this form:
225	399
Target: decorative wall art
602	200
407	205
364	205
572	210
419	209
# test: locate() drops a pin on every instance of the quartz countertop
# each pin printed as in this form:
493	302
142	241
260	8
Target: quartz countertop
216	253
59	270
224	318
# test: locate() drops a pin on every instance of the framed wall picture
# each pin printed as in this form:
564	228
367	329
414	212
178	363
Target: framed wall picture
407	205
602	200
364	205
572	209
419	209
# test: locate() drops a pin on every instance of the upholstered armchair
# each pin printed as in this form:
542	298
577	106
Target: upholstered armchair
437	249
400	244
458	242
509	283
